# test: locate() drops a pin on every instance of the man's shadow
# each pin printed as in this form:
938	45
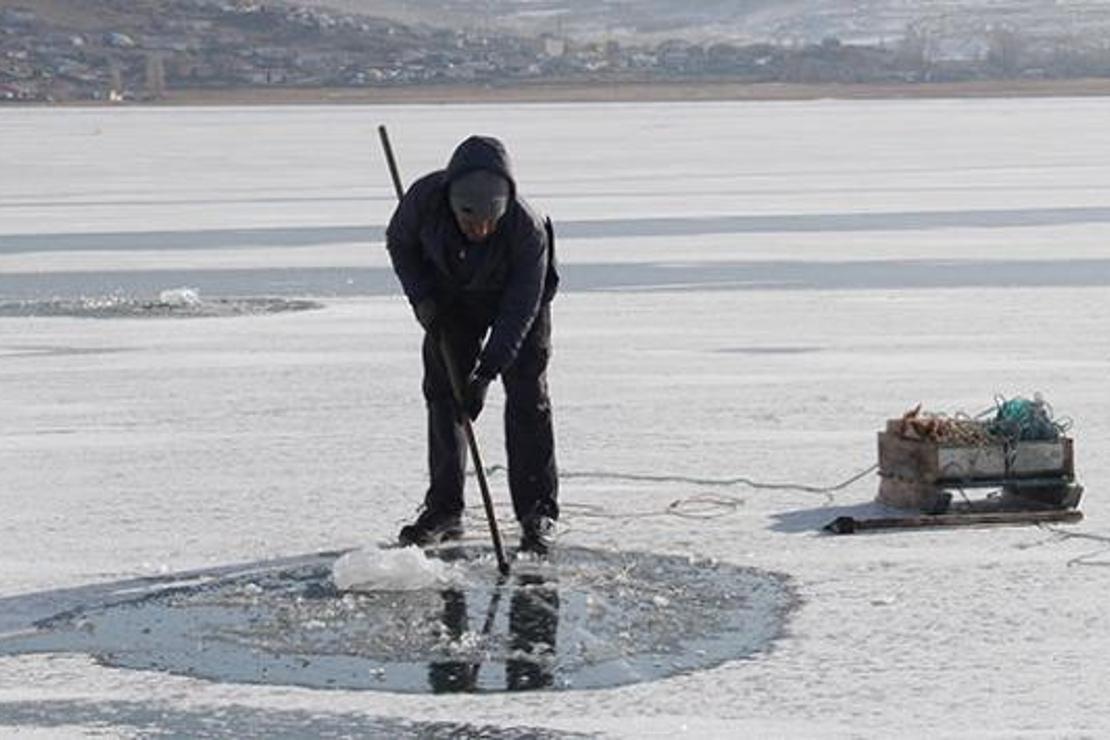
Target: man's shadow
533	627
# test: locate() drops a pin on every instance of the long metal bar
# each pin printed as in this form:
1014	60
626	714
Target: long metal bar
457	392
849	525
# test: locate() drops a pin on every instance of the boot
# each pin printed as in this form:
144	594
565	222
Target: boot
537	535
430	528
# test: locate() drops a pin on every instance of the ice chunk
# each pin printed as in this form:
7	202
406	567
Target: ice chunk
404	569
179	297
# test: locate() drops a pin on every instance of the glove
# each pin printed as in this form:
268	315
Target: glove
474	395
427	313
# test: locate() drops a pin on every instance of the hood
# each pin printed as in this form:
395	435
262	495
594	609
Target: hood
481	153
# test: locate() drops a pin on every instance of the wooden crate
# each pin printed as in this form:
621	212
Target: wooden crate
914	473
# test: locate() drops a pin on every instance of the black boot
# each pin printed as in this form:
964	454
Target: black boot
537	535
431	527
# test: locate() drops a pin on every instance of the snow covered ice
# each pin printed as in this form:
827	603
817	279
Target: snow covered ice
750	290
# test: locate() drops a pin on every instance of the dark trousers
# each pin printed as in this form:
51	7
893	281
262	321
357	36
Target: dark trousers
529	436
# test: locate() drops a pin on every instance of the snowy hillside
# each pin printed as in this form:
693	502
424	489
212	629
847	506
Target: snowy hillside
793	21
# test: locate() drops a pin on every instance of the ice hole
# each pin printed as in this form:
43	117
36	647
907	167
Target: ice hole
395	620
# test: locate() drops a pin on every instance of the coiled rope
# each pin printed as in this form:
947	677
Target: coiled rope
699	506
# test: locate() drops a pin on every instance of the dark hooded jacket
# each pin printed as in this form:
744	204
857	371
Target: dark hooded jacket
499	283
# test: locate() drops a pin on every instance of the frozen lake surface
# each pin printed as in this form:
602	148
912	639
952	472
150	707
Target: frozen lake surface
750	291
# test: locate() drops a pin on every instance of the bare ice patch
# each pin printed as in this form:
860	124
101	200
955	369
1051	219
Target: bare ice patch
134	718
399	621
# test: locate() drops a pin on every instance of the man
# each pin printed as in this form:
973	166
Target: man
477	265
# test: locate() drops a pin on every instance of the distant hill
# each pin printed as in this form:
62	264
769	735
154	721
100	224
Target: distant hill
754	21
52	50
77	49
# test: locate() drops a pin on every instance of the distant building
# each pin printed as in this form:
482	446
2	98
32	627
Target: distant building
554	46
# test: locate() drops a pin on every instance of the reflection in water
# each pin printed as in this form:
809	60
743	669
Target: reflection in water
533	625
453	675
533	622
